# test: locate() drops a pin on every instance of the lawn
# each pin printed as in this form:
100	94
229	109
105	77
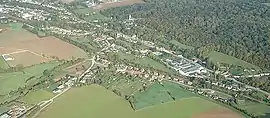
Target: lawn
35	97
97	102
223	58
180	45
14	80
3	63
158	94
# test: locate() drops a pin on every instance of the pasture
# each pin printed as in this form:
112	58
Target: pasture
218	57
180	45
35	97
107	5
96	102
258	109
144	61
14	80
158	94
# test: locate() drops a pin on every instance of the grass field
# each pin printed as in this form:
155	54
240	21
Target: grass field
3	64
14	80
84	10
158	94
96	102
257	109
145	61
107	5
35	97
180	45
223	58
96	16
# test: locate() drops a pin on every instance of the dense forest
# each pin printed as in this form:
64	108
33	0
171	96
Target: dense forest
239	28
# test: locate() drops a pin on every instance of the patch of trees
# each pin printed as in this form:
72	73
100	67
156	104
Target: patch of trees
235	27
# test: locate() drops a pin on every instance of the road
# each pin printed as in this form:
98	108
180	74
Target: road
248	86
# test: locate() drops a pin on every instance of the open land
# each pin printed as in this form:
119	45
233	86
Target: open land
36	49
223	58
117	4
14	80
255	108
96	101
36	96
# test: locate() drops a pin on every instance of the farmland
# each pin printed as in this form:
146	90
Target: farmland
14	80
30	49
36	96
96	101
255	108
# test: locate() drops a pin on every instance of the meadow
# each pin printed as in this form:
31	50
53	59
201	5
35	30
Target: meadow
180	45
35	97
258	109
218	57
144	61
95	101
12	81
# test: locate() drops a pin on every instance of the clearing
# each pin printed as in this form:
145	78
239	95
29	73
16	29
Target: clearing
107	5
97	102
223	58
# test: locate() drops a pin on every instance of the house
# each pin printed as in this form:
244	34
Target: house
268	97
189	83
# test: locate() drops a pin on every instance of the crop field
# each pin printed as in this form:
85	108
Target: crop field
120	3
35	97
14	80
37	49
96	102
23	58
223	58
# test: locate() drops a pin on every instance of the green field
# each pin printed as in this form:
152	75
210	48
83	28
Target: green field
158	94
35	97
96	102
3	63
96	16
223	58
180	45
255	108
84	10
145	61
14	80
